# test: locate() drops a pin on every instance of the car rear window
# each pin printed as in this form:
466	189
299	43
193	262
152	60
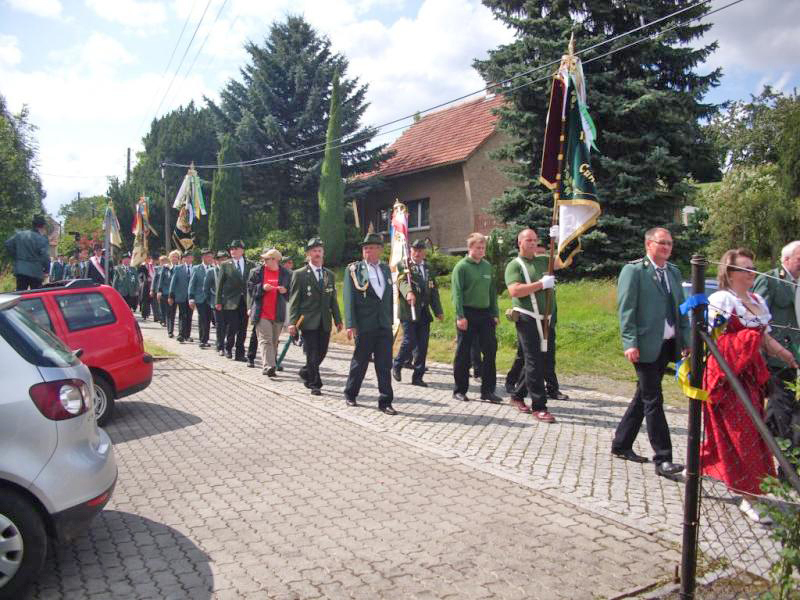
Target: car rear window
34	308
82	311
35	344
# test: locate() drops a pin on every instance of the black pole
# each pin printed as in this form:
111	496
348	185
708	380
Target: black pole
691	503
166	211
789	471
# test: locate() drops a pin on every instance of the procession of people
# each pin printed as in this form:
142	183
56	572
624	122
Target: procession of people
231	292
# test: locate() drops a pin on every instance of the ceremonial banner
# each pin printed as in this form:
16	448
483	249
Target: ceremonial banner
190	204
111	226
398	257
578	206
182	235
141	230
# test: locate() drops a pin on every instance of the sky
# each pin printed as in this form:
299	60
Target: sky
94	73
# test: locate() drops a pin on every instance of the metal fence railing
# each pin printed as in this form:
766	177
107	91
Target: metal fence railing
731	550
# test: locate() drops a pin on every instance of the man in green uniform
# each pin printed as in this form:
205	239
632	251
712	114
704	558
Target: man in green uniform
30	252
198	298
231	299
312	296
780	288
654	333
423	295
125	281
527	279
475	302
368	315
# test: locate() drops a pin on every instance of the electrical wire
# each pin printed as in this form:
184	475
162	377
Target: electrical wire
185	52
303	152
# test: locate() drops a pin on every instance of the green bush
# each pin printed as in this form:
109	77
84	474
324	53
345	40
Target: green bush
285	241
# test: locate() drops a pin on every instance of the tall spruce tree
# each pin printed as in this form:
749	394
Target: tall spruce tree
331	185
646	101
225	220
281	105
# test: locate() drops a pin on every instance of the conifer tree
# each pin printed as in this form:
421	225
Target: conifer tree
331	185
646	101
281	105
225	220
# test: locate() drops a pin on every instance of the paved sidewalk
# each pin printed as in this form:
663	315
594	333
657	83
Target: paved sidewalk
235	486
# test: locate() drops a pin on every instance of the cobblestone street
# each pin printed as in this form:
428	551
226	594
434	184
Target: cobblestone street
233	485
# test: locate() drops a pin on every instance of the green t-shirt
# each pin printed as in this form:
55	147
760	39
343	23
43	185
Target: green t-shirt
537	267
472	285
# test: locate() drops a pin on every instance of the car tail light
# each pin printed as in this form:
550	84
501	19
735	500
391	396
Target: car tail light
139	336
62	399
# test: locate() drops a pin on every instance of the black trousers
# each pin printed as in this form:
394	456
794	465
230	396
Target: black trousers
515	372
145	304
378	345
539	368
203	321
133	302
236	328
783	411
185	313
220	329
480	325
475	355
252	345
414	344
28	283
164	306
171	310
315	345
155	307
648	405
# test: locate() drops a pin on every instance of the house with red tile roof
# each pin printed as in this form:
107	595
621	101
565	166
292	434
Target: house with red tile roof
442	172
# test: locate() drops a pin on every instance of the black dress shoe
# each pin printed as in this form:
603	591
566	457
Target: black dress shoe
170	335
510	386
191	339
279	368
271	372
250	363
557	396
629	455
492	397
396	374
388	410
241	359
350	401
419	382
180	340
318	392
221	352
460	396
228	354
668	469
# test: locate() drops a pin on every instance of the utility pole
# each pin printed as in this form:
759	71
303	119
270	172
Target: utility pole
166	211
128	170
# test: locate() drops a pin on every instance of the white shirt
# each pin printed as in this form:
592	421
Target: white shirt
725	303
669	330
376	279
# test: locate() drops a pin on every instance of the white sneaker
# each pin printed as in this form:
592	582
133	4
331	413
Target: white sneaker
752	514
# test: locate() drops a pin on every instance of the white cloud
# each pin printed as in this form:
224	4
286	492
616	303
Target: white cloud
40	8
10	53
131	13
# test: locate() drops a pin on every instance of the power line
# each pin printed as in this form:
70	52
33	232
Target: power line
185	52
317	148
169	62
205	39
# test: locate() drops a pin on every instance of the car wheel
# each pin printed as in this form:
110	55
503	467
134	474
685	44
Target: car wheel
103	400
23	543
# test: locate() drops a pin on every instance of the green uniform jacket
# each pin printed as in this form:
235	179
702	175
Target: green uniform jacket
164	279
210	284
316	306
643	310
231	286
126	281
779	296
197	284
179	283
58	270
363	310
31	254
426	294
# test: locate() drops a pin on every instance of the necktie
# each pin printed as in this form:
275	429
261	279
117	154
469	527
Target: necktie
319	278
662	278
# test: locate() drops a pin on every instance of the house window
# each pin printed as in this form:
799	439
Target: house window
418	215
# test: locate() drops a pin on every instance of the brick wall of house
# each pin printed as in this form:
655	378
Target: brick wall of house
486	181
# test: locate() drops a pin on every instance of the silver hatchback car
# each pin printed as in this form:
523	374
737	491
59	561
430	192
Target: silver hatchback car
57	468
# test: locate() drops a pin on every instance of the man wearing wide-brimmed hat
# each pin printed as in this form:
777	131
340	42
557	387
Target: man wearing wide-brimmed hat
312	298
231	298
368	315
210	287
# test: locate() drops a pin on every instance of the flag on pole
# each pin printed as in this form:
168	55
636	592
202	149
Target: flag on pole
111	226
578	206
141	230
399	235
190	196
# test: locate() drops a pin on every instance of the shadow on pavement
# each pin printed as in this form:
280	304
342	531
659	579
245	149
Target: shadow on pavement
157	561
482	420
136	419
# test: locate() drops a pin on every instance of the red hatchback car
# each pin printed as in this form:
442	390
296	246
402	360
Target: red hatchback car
96	319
